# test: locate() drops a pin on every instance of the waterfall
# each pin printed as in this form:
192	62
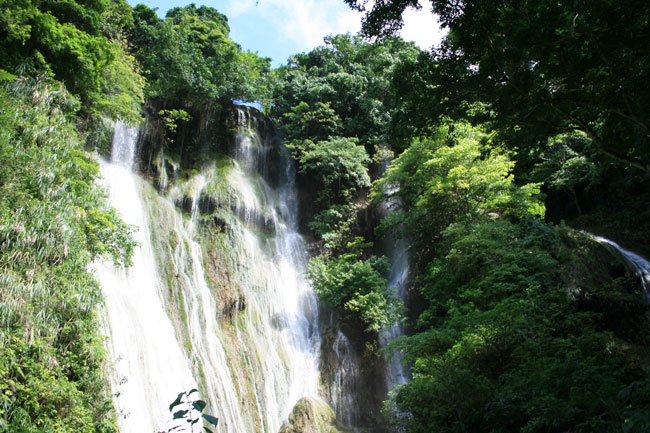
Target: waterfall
344	382
217	297
634	262
398	278
150	368
395	247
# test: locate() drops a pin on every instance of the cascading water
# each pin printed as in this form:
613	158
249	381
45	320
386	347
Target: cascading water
252	361
396	247
279	333
634	262
344	382
357	385
201	317
398	278
150	366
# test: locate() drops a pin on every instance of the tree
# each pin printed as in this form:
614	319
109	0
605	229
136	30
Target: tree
70	40
357	288
568	165
542	69
506	345
453	177
333	105
188	57
317	122
339	164
348	75
54	222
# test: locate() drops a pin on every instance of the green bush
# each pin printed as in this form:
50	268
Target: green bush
54	222
512	341
357	288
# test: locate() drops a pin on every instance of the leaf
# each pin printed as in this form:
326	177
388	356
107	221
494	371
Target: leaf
199	405
191	391
180	414
212	420
6	76
177	401
207	429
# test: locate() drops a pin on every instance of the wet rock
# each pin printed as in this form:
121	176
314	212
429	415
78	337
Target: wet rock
170	169
207	204
233	305
255	219
312	416
219	223
184	204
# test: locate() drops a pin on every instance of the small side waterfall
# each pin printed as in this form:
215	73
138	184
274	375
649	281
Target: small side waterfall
344	382
634	262
217	297
396	248
358	379
398	279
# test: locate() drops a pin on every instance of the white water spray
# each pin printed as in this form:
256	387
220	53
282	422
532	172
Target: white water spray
251	370
150	368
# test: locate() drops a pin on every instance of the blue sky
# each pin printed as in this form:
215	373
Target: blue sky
280	28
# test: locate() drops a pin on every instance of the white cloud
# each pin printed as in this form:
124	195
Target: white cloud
239	7
305	22
422	27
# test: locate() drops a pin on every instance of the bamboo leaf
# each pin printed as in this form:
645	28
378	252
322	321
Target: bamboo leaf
199	405
176	402
212	420
180	414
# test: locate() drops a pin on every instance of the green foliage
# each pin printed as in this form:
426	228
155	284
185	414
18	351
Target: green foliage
171	117
565	166
53	223
189	58
339	164
341	88
561	84
314	123
44	390
542	69
333	105
357	288
67	39
334	226
450	178
511	341
188	409
568	165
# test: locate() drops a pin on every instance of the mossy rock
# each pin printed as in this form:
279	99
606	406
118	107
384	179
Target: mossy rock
312	416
